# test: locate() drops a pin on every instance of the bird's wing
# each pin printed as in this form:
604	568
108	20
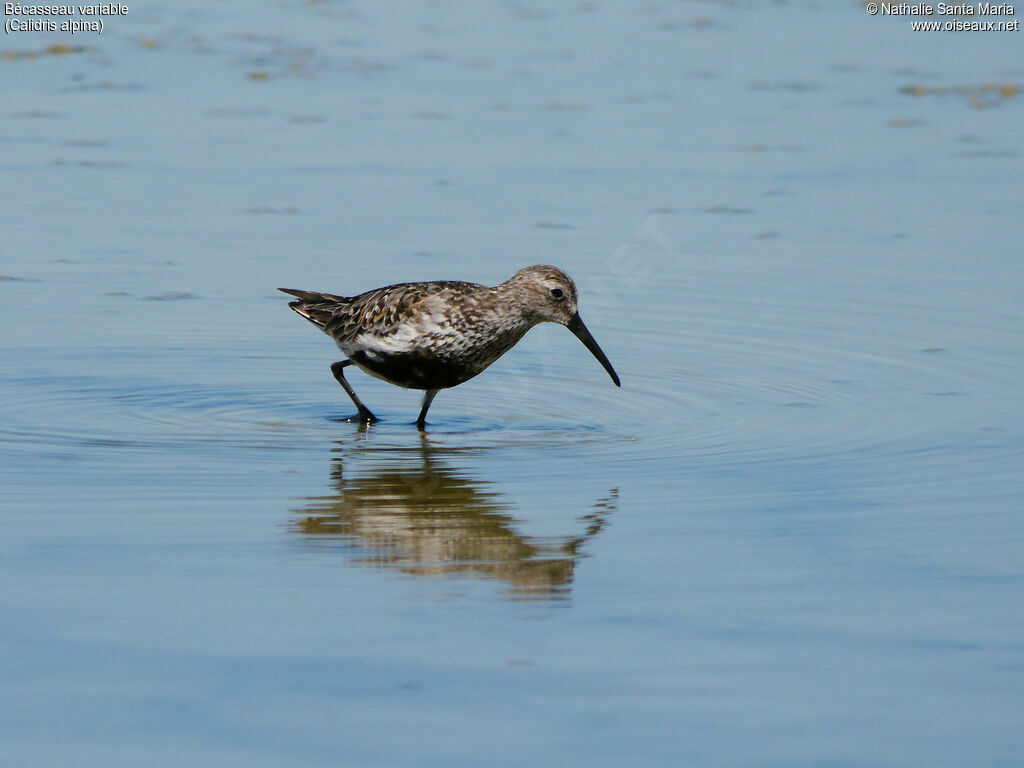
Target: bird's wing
381	316
392	317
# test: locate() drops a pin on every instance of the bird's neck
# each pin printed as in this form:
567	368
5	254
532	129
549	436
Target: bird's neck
514	309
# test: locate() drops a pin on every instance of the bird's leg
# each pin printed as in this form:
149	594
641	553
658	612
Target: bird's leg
428	398
338	369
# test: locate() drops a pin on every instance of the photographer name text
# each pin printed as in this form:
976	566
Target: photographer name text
945	9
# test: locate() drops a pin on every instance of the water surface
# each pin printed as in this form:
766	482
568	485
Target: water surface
792	538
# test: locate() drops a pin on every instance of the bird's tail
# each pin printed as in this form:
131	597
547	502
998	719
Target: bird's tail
318	308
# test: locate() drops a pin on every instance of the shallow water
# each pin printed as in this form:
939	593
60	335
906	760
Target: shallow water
793	537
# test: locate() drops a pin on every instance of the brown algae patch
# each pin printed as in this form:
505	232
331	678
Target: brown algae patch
171	296
56	49
270	209
982	96
904	122
730	209
89	163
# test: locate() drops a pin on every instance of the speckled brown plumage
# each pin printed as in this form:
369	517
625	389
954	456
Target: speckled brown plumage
436	335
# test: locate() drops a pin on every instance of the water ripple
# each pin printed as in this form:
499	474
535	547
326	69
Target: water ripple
808	375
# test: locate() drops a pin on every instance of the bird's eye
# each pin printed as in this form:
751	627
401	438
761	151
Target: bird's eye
557	293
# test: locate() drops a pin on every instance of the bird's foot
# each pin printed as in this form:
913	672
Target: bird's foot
363	417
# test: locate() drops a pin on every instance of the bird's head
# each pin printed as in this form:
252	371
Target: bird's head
548	295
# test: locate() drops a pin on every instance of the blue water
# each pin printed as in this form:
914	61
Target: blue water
793	537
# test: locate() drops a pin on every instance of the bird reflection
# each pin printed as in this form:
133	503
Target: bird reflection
412	512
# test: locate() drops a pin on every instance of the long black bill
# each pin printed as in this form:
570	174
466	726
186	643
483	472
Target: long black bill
580	331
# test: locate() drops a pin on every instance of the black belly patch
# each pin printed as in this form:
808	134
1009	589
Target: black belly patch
414	371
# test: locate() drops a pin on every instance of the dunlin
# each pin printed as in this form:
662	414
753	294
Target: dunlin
436	335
